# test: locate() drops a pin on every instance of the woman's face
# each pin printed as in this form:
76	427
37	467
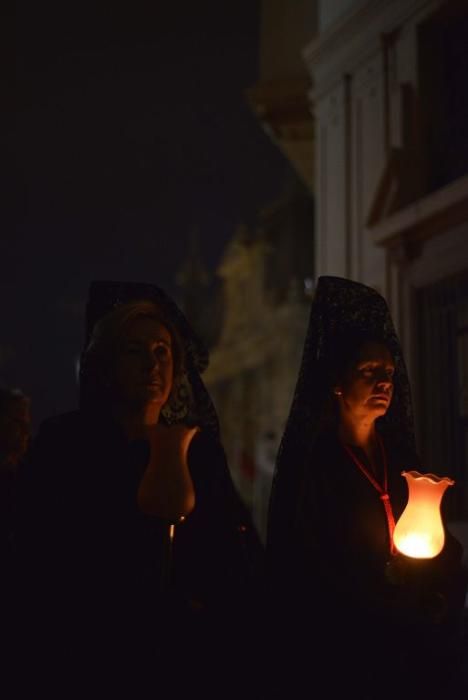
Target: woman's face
367	388
143	369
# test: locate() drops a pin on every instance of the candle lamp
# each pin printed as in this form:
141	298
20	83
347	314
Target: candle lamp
419	532
418	538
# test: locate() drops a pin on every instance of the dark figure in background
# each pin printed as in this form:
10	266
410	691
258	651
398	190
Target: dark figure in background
15	427
373	619
144	561
15	432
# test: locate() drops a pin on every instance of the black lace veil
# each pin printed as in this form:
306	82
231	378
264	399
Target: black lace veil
340	309
190	402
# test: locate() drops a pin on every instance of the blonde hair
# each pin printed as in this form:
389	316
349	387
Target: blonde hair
110	330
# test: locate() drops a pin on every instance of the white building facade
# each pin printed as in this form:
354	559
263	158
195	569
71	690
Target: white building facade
391	188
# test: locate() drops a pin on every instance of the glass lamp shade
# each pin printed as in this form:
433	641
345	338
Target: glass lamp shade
166	489
419	533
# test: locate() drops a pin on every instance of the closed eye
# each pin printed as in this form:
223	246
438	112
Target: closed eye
370	370
132	348
367	370
162	351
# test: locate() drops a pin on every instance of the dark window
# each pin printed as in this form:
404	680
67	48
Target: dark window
442	382
443	67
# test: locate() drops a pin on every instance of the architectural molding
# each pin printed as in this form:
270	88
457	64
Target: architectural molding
357	36
282	108
443	256
436	213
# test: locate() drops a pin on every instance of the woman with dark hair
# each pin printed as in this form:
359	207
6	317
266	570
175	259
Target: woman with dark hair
143	559
372	622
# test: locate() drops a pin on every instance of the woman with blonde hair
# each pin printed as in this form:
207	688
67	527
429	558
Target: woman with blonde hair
144	558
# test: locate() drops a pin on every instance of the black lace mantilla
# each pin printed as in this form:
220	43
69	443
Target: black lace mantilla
341	308
190	401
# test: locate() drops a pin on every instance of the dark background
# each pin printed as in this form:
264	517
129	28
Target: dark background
129	129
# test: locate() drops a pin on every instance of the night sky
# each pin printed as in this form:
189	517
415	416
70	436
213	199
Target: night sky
130	130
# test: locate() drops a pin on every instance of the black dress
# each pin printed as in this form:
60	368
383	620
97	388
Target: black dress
92	564
369	611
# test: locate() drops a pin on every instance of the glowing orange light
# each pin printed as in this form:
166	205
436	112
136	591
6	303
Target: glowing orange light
419	533
166	489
